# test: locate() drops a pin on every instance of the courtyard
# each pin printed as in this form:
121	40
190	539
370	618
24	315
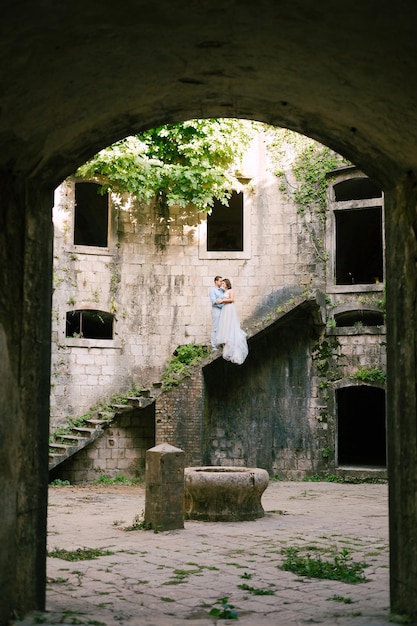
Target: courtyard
186	575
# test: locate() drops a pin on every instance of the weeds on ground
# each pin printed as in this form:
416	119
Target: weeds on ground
80	554
341	599
225	611
140	524
342	567
256	591
120	479
400	619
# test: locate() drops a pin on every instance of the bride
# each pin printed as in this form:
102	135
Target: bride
229	332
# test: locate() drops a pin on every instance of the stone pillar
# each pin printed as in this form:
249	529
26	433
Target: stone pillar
164	500
25	347
401	257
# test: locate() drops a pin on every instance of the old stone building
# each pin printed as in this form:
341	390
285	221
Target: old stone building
77	80
131	285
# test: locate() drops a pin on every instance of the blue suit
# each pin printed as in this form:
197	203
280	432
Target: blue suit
215	293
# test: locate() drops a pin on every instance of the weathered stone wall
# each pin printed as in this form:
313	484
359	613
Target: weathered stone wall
262	413
155	276
25	287
121	450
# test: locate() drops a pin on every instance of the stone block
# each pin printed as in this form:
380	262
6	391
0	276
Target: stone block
164	497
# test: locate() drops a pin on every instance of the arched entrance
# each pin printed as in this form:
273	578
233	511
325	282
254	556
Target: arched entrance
361	440
75	82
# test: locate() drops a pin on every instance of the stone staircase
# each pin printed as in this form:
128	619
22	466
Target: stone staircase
75	438
78	437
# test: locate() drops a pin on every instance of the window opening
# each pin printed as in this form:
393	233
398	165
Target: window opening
361	437
359	246
91	219
359	317
89	324
225	225
356	189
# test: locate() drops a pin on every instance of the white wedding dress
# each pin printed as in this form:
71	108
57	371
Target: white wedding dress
230	334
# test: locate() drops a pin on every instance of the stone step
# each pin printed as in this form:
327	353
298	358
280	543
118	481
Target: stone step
140	402
97	422
84	430
71	438
81	436
121	408
57	446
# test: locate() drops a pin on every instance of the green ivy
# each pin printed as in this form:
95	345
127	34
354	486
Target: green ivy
310	169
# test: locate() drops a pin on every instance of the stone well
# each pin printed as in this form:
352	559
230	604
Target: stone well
224	494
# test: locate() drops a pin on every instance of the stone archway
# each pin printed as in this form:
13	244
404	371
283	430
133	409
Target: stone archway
75	82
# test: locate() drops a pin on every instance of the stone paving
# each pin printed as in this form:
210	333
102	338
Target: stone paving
177	577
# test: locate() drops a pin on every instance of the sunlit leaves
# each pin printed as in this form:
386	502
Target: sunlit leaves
190	162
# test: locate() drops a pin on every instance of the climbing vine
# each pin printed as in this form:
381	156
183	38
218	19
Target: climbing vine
310	169
326	356
303	164
310	163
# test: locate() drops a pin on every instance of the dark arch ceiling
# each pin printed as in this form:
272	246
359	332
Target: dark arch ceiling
76	76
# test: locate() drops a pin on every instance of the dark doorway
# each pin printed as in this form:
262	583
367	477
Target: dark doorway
361	438
359	246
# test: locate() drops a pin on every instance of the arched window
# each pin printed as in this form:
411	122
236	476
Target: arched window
361	438
358	317
89	324
356	189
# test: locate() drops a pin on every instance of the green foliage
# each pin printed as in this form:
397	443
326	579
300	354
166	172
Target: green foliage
80	554
183	359
139	523
326	356
337	598
120	479
320	478
310	170
189	162
59	483
311	162
370	375
325	453
342	567
396	618
382	303
256	591
226	610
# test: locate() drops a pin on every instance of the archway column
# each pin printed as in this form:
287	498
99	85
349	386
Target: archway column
25	339
401	262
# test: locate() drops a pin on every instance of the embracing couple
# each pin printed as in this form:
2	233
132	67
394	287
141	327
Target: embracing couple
226	330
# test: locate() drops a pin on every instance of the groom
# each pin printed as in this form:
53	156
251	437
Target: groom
215	293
